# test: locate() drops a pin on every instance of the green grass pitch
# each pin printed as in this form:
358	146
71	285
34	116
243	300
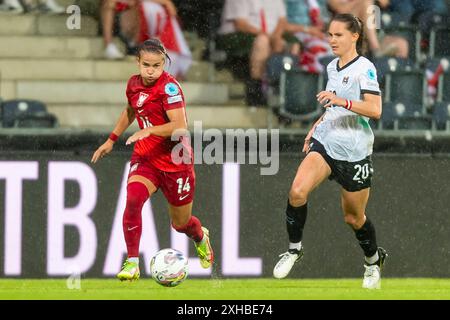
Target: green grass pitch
227	289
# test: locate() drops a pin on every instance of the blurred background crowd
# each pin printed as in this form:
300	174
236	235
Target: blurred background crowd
269	55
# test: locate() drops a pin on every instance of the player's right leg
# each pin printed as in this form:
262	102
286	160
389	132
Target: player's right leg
311	172
179	190
354	207
139	189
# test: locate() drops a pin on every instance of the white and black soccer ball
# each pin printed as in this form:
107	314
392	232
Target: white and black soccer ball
169	267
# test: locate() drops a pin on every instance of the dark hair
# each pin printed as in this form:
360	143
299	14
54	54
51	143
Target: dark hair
354	25
152	45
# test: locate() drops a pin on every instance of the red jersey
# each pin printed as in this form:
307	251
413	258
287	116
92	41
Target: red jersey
150	104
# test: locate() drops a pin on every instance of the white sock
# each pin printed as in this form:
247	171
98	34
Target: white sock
296	246
372	259
134	260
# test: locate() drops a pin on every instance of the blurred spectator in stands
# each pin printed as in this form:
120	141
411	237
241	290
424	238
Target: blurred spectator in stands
204	24
427	14
129	25
159	20
391	45
251	31
423	13
305	21
17	6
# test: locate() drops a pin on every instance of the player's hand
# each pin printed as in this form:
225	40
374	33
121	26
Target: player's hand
328	98
102	151
139	135
306	146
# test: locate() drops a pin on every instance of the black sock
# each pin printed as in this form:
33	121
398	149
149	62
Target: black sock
367	238
295	221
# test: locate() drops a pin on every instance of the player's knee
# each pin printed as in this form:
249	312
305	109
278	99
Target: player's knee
298	196
352	221
137	194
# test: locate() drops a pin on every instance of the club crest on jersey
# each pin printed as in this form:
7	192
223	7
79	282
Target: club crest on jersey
142	97
345	80
171	89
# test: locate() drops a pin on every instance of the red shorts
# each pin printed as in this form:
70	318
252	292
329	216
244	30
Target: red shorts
177	187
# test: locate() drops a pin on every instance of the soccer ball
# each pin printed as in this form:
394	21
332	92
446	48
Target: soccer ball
169	267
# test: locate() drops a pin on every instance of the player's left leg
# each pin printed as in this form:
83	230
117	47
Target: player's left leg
354	207
139	189
183	221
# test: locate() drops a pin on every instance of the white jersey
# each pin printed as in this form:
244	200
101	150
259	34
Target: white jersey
347	135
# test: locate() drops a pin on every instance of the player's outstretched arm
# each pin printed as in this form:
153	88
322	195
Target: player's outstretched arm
126	118
369	107
177	121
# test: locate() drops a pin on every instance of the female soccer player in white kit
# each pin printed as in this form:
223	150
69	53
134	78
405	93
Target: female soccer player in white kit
339	147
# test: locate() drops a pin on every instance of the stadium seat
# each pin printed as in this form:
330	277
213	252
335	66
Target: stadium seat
409	87
36	120
276	64
385	65
439	42
443	93
441	116
298	91
411	34
324	61
402	116
26	113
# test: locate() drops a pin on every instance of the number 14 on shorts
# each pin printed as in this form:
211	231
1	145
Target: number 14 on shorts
183	186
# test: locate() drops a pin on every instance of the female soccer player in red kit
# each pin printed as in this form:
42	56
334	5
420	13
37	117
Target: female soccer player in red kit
156	101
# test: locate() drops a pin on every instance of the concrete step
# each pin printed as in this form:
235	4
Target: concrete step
196	45
65	69
33	24
108	92
227	116
52	47
237	90
88	69
106	115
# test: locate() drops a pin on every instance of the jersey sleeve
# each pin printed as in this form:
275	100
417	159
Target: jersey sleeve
368	80
128	90
172	96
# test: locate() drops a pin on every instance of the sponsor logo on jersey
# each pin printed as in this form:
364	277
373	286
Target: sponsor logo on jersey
371	74
142	98
174	99
345	80
171	89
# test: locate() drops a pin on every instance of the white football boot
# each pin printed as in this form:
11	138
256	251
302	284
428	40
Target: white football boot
372	275
287	261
